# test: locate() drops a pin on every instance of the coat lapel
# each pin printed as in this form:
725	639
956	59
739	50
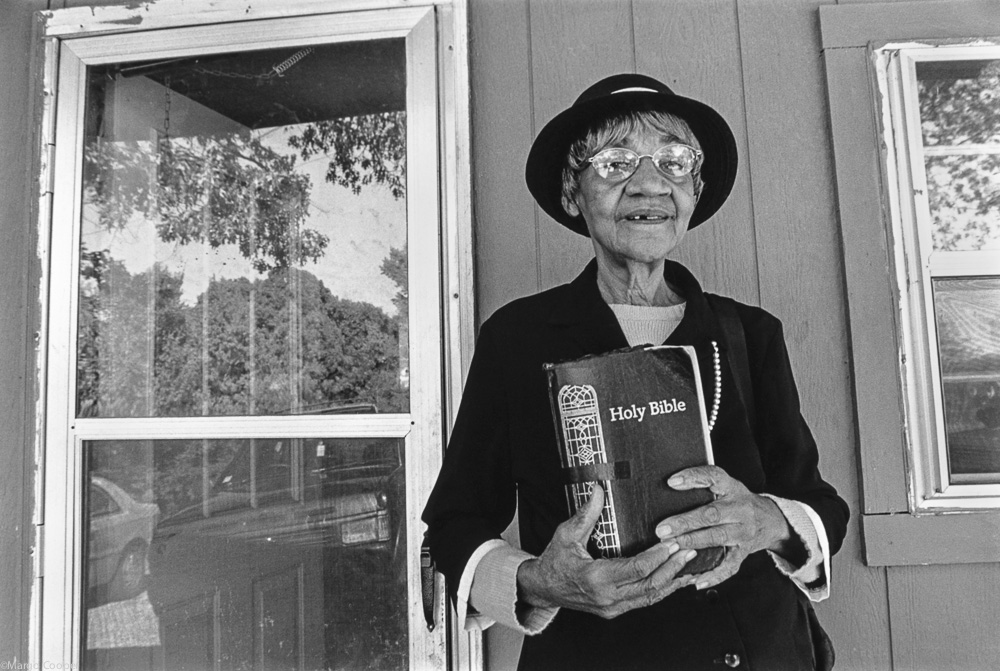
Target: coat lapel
584	320
699	328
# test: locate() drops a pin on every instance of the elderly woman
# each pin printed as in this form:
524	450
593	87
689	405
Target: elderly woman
634	167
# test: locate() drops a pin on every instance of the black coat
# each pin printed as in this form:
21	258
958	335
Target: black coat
503	454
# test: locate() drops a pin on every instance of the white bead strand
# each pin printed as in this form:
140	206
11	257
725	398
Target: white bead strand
718	386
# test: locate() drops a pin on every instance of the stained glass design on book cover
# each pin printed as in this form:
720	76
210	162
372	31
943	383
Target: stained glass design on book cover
581	425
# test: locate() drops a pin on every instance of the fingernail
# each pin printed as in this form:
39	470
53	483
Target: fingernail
663	531
675	480
673	547
701	585
689	555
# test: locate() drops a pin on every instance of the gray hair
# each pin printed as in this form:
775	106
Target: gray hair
613	131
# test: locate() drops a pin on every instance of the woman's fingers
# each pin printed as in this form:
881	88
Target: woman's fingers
643	564
705	477
718	513
656	569
728	535
578	528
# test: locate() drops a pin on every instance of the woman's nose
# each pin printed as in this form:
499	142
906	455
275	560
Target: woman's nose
648	180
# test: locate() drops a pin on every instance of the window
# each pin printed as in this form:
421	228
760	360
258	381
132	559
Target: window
941	106
915	136
254	220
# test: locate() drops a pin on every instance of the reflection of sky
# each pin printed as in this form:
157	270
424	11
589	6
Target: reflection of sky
361	229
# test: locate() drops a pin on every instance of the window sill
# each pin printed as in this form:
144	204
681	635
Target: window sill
903	539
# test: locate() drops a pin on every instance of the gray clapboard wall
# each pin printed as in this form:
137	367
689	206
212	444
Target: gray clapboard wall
18	298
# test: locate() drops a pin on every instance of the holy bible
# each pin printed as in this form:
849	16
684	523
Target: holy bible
630	419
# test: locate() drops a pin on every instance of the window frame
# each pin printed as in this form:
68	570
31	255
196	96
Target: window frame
917	265
896	529
440	274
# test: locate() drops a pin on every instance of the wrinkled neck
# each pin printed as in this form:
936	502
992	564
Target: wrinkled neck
634	283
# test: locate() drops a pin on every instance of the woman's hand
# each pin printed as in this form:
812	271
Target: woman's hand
565	574
739	520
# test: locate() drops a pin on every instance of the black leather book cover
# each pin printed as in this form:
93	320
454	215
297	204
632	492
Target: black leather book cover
630	419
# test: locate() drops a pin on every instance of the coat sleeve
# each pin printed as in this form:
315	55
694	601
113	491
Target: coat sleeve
474	498
788	450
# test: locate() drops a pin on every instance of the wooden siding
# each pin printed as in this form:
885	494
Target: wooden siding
19	273
943	615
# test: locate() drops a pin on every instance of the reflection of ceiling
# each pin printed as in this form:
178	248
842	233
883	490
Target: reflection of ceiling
330	81
951	70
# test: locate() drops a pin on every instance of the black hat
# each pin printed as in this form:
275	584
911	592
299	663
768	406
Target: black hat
621	94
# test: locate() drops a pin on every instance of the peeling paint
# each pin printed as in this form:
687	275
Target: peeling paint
950	42
131	21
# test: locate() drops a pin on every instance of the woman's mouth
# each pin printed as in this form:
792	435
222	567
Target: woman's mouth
652	217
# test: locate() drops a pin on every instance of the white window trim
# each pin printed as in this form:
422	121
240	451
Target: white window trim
915	264
440	189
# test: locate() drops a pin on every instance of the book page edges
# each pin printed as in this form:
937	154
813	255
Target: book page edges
706	432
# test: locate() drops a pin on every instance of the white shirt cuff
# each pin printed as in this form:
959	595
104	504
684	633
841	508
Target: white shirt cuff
487	591
813	577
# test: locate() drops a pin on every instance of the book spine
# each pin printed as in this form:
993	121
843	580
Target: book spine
581	441
550	374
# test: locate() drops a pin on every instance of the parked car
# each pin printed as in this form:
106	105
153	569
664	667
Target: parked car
287	531
336	494
120	532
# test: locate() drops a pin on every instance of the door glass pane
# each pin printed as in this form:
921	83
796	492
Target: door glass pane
960	124
245	554
968	323
243	245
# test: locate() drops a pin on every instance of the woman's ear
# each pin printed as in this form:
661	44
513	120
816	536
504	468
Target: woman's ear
571	207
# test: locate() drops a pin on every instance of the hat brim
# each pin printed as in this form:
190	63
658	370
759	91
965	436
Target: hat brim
543	172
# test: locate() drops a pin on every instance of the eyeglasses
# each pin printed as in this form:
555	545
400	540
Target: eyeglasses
673	160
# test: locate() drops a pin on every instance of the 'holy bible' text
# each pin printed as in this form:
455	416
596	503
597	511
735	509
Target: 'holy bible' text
655	408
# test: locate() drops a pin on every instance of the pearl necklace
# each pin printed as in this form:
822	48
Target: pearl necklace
718	386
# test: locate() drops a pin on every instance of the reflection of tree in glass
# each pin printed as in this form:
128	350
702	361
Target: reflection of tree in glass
394	267
217	190
310	348
960	109
142	352
118	334
366	149
963	189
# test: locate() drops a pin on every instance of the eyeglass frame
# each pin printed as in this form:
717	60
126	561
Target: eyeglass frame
699	155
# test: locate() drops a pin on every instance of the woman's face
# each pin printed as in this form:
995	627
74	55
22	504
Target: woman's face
641	218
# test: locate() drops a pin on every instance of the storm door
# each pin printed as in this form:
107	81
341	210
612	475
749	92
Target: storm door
244	404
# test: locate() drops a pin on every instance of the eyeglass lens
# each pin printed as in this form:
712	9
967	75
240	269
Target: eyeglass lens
674	160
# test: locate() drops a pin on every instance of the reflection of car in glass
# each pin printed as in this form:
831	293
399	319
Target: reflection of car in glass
282	533
121	530
337	493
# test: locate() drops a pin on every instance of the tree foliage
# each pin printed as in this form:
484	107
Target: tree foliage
365	150
278	345
394	267
118	334
963	189
217	190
